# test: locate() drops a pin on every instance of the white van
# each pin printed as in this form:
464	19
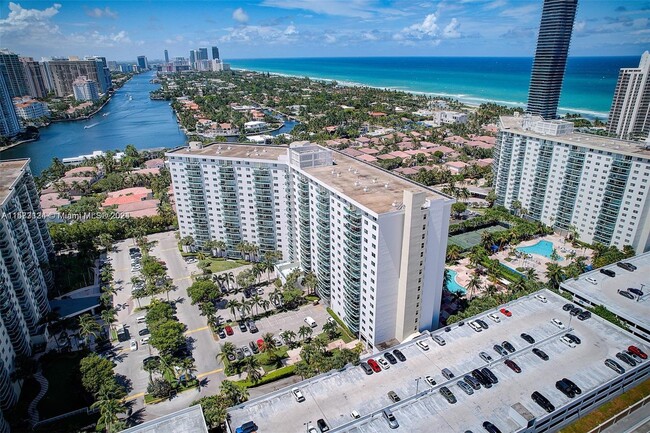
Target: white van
311	322
592	280
141	319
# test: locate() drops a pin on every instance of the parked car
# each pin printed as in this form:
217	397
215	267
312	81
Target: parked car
490	428
373	364
465	387
513	365
566	340
489	375
472	381
482	323
298	395
143	331
527	338
485	357
133	345
574	338
635	291
627	266
500	350
495	318
254	347
438	339
322	425
221	333
252	327
608	272
565	388
422	345
239	354
393	396
509	347
591	280
429	380
573	386
484	379
247	351
229	330
389	356
542	401
540	353
625	294
475	326
506	312
398	353
541	298
568	307
614	366
390	419
145	340
248	427
638	352
278	341
383	363
242	326
634	356
447	373
446	393
354	414
558	323
575	311
584	315
366	368
626	359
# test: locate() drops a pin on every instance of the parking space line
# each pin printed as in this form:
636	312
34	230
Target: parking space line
192	331
134	396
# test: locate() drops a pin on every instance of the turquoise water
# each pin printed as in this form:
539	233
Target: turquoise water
453	286
541	248
588	86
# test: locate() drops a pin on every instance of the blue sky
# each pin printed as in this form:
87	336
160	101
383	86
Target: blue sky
121	30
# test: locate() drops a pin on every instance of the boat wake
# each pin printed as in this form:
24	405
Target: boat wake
91	126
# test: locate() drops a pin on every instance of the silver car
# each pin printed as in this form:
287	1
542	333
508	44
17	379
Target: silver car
390	419
465	387
485	357
438	339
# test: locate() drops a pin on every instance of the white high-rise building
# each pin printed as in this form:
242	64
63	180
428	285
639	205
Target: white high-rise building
85	89
596	185
375	241
629	116
25	247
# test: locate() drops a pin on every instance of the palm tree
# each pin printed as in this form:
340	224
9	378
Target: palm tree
276	296
310	282
530	274
554	274
233	305
229	279
88	326
453	253
252	368
108	316
331	329
473	285
289	336
265	304
234	392
267	342
245	307
256	301
305	332
227	350
109	406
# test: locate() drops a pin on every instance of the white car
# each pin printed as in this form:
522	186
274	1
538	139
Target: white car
541	298
591	280
438	339
558	323
429	380
133	345
145	340
569	342
354	414
422	345
475	326
494	317
260	291
311	429
298	395
384	364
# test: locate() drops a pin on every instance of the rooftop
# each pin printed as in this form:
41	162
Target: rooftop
376	189
332	396
633	148
235	151
188	420
10	171
604	292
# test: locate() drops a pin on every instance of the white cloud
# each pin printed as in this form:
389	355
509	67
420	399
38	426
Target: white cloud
344	8
259	34
451	30
100	13
240	16
20	18
177	39
520	12
330	39
579	26
495	5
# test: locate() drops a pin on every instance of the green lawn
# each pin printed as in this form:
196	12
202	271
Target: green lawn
64	393
219	264
609	409
346	334
72	272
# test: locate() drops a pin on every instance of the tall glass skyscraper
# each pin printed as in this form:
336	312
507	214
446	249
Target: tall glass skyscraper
215	53
550	57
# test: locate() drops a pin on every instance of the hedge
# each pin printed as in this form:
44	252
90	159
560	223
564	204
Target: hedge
278	374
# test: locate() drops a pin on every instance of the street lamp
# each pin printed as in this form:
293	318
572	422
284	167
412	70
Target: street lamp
417	384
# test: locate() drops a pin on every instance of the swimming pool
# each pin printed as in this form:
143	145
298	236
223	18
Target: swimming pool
453	286
541	248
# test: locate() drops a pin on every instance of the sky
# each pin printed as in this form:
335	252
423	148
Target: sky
123	29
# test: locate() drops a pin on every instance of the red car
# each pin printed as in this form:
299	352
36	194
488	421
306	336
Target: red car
373	364
638	352
506	312
229	330
260	344
513	366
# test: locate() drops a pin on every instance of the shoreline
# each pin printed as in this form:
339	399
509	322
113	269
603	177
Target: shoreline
469	100
12	145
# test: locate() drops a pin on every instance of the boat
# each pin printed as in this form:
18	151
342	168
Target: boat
106	114
130	98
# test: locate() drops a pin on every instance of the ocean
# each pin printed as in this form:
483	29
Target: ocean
588	84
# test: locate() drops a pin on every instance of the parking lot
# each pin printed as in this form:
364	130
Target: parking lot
332	397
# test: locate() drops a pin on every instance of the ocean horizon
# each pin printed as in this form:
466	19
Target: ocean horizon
588	87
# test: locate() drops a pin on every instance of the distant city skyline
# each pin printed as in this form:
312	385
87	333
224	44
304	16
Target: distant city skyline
312	28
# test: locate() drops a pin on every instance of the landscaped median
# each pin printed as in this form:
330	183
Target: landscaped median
180	387
274	375
346	334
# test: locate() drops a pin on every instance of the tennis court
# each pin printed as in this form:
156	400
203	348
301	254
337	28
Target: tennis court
467	240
